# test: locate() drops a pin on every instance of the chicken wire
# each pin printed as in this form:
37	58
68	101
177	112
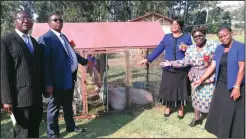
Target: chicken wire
119	69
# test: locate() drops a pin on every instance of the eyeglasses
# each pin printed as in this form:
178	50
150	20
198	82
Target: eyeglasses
198	36
55	20
29	19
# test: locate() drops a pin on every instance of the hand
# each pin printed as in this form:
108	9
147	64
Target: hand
197	83
7	108
49	90
90	64
165	63
143	62
235	94
99	84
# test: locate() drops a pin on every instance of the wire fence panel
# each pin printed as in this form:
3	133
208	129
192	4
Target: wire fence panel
124	84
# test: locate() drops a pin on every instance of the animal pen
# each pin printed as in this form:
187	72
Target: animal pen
117	46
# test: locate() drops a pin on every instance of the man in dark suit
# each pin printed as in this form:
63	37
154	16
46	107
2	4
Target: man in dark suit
21	77
60	64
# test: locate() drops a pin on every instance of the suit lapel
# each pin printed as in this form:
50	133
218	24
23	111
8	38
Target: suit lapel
23	45
58	41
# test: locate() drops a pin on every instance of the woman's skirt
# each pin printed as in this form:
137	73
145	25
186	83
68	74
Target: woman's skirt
226	117
202	96
174	88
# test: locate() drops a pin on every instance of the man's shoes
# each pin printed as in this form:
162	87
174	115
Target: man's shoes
76	129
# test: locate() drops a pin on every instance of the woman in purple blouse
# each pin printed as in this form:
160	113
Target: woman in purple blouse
174	84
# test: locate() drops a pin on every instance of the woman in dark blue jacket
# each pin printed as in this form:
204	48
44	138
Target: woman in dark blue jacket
226	114
174	84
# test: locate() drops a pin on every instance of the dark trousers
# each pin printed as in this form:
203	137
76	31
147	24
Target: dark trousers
60	98
28	121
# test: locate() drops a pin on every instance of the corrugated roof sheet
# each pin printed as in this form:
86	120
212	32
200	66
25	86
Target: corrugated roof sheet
108	34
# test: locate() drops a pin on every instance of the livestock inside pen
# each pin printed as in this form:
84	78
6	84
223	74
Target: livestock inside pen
118	46
124	84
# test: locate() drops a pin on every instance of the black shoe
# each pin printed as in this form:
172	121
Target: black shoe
180	117
195	122
76	129
167	115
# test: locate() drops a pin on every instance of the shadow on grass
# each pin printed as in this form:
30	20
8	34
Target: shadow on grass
106	124
6	126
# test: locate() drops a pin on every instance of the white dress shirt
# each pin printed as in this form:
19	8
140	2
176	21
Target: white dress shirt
74	66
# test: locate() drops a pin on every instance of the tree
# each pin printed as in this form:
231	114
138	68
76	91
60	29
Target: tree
8	9
227	19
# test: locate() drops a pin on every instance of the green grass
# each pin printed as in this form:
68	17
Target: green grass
148	123
139	124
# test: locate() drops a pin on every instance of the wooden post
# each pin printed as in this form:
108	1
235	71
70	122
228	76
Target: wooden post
84	88
127	62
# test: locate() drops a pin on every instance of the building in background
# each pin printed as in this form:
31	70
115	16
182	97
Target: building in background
154	17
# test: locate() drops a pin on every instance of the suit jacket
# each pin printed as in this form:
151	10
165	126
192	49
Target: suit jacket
21	72
235	54
56	62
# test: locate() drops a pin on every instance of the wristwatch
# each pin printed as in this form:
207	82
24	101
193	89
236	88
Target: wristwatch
236	87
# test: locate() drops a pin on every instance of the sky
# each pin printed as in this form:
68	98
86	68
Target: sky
236	3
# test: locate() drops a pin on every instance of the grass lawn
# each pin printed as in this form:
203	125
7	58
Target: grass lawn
148	123
239	38
139	124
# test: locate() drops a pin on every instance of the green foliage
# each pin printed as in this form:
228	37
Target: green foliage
7	16
213	28
227	19
114	11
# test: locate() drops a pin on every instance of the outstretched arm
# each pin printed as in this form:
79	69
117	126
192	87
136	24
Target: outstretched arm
207	73
181	63
81	60
157	51
178	63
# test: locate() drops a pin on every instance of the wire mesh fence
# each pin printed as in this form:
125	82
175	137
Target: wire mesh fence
124	84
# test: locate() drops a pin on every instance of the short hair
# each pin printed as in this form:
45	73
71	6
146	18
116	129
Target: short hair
202	29
54	13
224	27
179	21
19	12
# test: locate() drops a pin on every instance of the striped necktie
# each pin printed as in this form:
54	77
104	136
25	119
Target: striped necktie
29	46
68	50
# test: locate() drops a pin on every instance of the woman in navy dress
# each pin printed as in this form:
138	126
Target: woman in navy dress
226	113
174	87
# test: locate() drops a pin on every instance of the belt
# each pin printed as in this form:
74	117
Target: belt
175	70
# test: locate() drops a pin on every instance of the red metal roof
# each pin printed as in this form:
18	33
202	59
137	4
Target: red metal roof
108	34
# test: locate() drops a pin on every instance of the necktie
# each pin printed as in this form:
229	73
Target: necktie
27	41
67	47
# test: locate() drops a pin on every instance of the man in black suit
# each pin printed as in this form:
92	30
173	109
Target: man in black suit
60	66
22	77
